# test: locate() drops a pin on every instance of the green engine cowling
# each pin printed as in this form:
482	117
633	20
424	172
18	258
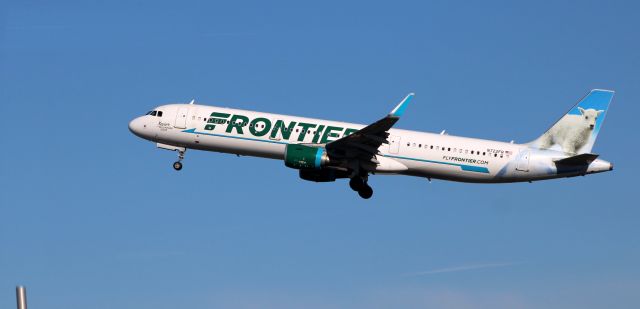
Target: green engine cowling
305	157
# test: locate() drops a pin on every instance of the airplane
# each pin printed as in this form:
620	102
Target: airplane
324	150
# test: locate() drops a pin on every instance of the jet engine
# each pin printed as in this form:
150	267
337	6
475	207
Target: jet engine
305	157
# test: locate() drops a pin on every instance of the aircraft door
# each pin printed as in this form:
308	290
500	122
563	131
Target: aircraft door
523	161
181	118
394	143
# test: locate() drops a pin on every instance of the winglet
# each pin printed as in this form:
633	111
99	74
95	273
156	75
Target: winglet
399	110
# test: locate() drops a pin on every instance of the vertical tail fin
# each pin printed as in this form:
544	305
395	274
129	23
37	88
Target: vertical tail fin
577	130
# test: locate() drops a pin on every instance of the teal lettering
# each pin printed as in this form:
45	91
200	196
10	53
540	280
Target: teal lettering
328	134
317	135
304	127
348	132
215	118
284	130
234	123
253	127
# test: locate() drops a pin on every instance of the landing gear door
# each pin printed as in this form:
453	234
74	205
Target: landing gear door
181	118
523	161
394	143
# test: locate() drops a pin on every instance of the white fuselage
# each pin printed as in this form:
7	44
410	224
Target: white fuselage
242	132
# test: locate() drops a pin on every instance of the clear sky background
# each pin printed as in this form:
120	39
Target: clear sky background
94	217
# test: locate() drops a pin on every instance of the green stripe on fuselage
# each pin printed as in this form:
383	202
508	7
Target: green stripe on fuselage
469	168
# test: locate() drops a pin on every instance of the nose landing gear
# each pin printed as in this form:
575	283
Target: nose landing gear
178	164
181	150
359	184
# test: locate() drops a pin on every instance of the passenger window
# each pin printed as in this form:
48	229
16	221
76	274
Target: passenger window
449	149
431	146
471	151
484	153
419	145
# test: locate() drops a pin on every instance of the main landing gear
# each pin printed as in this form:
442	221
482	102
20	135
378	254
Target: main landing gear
359	184
178	164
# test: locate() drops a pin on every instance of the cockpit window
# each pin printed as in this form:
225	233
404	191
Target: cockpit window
154	113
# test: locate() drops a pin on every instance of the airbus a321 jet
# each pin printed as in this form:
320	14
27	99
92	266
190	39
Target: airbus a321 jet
323	150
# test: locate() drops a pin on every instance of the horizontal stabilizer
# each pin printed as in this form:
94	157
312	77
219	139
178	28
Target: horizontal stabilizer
581	159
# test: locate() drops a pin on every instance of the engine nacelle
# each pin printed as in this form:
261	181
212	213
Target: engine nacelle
324	175
305	157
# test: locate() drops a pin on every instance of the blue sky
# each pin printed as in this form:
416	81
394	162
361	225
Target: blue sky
93	217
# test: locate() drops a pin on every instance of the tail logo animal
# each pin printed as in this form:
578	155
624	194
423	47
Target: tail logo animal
576	132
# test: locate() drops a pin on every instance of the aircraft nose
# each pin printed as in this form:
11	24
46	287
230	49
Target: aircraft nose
136	126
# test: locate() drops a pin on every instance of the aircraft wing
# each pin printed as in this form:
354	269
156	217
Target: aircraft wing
365	142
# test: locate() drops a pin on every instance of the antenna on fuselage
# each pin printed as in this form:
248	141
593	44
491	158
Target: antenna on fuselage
192	101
